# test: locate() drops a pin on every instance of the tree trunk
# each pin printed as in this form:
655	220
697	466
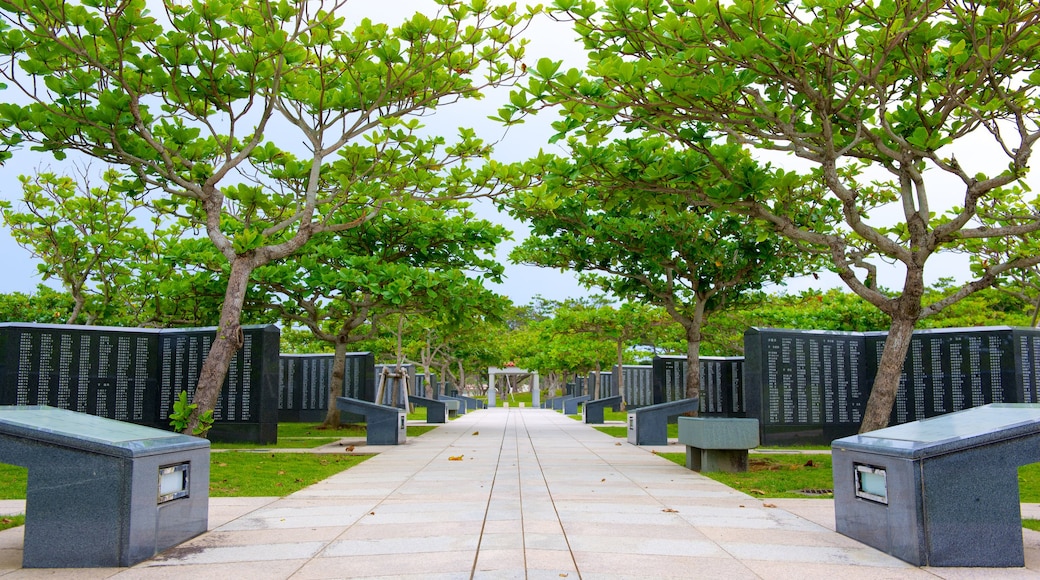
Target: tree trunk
429	382
427	361
226	343
597	388
693	362
619	381
339	375
886	383
79	302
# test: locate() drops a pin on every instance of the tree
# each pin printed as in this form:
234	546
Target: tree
690	261
1021	283
45	305
256	120
876	98
408	258
84	237
444	326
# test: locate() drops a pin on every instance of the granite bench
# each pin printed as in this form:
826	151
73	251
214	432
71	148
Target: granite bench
436	411
941	491
472	404
718	443
102	493
649	425
592	411
456	407
548	403
557	403
384	425
570	404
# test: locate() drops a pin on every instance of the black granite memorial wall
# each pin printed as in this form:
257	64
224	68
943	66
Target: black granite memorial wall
134	375
360	376
303	388
637	382
606	385
722	384
813	386
420	385
581	387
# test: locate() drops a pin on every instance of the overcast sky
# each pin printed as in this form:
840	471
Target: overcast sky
523	282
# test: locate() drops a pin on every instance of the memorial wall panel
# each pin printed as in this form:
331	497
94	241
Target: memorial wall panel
134	375
303	387
606	385
420	385
813	386
722	383
580	387
360	376
637	382
305	379
102	371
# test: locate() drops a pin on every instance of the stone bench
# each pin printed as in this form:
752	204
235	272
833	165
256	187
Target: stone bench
103	493
471	403
718	443
649	425
570	404
941	491
384	425
436	411
592	411
456	407
550	402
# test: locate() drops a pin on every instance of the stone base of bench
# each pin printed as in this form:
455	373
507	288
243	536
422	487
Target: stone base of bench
725	460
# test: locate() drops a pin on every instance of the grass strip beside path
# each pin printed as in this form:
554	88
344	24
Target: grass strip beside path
236	473
790	475
768	475
272	474
11	521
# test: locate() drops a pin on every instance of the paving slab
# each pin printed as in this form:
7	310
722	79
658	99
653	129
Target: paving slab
518	493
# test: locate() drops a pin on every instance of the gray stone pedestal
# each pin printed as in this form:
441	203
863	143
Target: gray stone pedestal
942	491
103	493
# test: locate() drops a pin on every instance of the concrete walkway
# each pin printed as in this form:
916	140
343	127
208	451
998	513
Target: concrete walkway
518	493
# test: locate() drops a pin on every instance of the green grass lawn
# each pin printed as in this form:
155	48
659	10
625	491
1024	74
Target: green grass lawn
236	473
790	475
242	469
622	430
12	481
514	400
768	475
11	521
243	474
311	435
